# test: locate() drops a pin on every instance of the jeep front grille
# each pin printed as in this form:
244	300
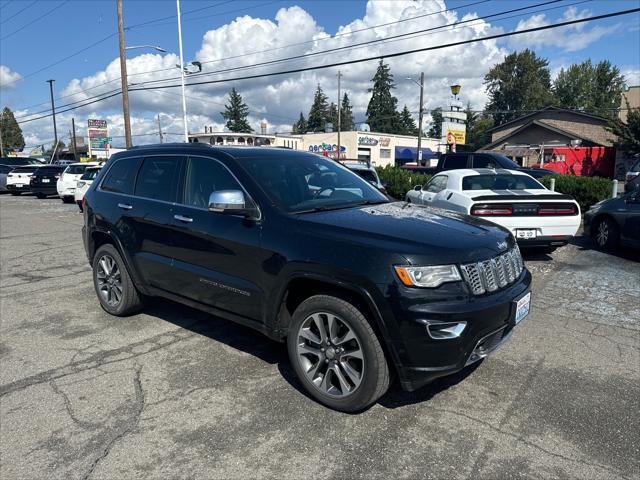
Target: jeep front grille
490	275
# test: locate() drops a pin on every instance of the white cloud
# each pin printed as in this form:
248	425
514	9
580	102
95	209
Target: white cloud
570	38
631	75
8	78
279	99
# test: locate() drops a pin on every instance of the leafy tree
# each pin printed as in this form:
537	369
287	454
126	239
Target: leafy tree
382	114
477	126
236	113
628	134
332	116
435	131
520	83
300	126
346	114
407	123
319	111
590	88
10	131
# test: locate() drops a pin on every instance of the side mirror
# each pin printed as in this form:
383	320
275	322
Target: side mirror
417	188
231	202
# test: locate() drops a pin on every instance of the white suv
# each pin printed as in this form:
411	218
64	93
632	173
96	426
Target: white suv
68	181
85	182
18	179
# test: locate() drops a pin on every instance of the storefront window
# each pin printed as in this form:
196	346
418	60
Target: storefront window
385	153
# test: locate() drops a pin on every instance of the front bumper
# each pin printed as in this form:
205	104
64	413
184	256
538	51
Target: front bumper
489	323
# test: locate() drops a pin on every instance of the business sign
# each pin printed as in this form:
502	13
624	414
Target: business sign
368	141
454	133
98	134
384	141
328	150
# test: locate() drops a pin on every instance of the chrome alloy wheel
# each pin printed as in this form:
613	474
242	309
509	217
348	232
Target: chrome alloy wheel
109	280
330	354
602	235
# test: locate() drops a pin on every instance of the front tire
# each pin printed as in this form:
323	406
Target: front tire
15	194
606	234
336	354
67	199
40	195
114	287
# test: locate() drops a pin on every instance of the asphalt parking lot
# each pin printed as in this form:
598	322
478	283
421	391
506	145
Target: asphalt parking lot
174	392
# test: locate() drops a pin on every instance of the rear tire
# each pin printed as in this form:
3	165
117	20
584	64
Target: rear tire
15	194
341	363
606	234
67	199
40	195
114	287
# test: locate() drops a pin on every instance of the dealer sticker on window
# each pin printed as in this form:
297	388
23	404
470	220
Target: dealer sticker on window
522	308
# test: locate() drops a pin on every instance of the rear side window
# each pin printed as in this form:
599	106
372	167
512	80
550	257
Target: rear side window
157	178
121	176
76	169
90	174
455	161
485	161
437	184
205	176
368	175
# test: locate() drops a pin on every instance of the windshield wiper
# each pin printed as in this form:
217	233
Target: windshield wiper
324	208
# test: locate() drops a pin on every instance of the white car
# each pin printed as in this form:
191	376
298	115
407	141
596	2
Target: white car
68	181
19	178
534	215
84	183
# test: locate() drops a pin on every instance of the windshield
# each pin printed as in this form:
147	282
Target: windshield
90	174
24	169
500	182
368	175
76	169
506	162
310	182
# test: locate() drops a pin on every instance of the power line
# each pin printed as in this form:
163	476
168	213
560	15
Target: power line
367	59
378	40
170	17
35	20
19	12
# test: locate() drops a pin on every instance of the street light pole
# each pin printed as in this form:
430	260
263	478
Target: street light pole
420	113
123	77
53	111
339	120
184	98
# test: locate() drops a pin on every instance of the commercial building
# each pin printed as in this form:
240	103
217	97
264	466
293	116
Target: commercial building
631	95
523	138
380	149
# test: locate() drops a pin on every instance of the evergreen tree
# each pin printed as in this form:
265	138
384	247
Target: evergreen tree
346	114
235	113
382	114
627	134
332	116
319	111
522	82
595	89
300	126
435	131
11	131
407	123
477	126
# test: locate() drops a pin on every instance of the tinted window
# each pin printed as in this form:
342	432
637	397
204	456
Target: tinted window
121	176
635	167
19	161
24	169
485	161
503	161
90	174
299	182
5	169
500	182
157	178
48	170
368	175
455	161
203	177
437	184
76	169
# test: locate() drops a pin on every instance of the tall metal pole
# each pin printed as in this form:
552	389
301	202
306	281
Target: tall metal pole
420	113
339	116
75	145
184	99
160	130
53	111
123	77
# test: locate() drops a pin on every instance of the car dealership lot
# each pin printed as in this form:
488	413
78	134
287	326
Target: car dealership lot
174	392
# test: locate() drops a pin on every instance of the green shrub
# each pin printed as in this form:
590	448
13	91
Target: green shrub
586	190
398	181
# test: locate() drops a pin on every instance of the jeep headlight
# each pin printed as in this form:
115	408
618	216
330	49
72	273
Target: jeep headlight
428	277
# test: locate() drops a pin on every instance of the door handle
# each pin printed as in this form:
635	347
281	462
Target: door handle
182	218
125	206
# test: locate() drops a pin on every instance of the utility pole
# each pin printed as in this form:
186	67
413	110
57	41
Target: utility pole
420	113
182	72
339	121
75	145
53	110
160	130
1	144
123	77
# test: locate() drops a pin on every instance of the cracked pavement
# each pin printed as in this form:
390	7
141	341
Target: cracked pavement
174	392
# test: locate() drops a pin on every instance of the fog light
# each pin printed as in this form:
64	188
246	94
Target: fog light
445	330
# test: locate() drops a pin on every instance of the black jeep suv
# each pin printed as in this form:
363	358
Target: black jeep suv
301	248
